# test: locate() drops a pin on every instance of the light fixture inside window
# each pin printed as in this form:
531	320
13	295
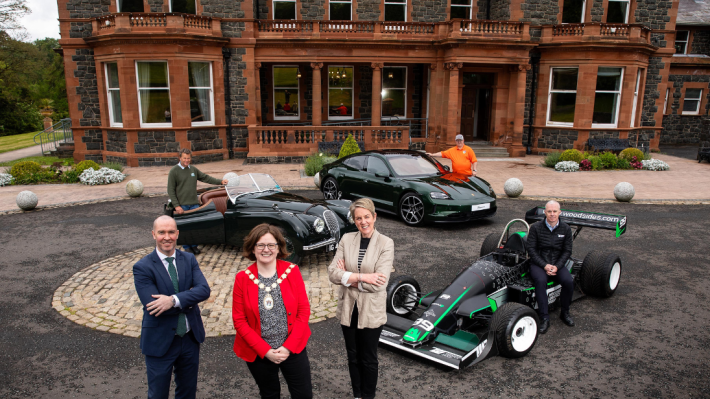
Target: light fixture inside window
343	73
390	75
298	72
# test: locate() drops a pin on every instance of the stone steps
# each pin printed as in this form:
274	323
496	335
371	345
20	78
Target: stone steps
485	150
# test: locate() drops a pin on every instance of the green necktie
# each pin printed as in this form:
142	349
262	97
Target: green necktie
181	326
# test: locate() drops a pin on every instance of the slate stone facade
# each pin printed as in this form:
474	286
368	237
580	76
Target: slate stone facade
94	157
313	9
240	138
557	139
202	140
158	141
88	8
429	11
368	10
157	5
116	141
87	89
237	86
653	13
417	90
159	161
539	12
257	160
500	10
221	8
597	10
118	160
93	138
365	97
684	129
653	78
207	158
700	43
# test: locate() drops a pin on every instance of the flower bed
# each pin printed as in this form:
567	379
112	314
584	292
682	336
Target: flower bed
629	159
93	177
567	166
6	179
655	164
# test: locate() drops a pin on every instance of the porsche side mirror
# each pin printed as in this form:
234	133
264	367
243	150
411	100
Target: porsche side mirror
387	176
446	168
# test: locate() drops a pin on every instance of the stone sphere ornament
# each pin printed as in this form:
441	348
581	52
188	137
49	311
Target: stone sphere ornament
232	179
624	192
27	200
134	188
513	187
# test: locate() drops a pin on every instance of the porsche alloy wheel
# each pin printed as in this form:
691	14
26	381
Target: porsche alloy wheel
402	295
411	209
330	188
515	329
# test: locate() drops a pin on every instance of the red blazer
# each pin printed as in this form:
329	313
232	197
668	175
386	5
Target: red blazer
245	313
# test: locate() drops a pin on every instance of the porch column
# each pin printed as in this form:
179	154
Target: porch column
317	117
517	148
453	123
376	93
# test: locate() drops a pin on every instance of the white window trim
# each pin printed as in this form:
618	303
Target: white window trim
285	118
636	98
273	8
584	10
469	6
406	71
665	102
618	102
687	39
110	98
699	99
138	87
344	2
170	5
628	6
211	121
404	4
352	95
549	97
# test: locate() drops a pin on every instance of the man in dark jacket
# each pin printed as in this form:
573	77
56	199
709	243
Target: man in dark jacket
550	246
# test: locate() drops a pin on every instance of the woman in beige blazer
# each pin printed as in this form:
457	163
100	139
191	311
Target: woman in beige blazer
362	268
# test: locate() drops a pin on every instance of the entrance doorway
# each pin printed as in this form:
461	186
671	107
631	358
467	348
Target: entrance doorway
476	107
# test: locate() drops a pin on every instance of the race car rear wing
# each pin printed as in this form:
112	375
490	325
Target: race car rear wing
582	219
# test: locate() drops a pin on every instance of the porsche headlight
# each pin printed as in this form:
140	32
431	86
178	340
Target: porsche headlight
439	195
319	225
350	218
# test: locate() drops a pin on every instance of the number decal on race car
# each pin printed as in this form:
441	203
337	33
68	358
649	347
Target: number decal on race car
424	324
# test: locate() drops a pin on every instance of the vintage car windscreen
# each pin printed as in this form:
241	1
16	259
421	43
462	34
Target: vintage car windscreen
251	183
412	165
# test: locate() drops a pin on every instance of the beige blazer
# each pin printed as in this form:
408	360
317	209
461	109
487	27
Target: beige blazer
371	302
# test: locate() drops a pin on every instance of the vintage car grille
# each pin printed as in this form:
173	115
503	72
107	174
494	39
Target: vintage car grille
331	221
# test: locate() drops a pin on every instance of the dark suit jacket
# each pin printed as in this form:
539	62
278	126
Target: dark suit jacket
151	278
549	247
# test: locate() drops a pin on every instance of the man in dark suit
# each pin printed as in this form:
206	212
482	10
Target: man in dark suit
170	285
550	246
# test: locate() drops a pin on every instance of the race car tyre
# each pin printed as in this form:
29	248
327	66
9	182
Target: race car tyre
515	327
402	295
490	244
330	188
411	209
600	274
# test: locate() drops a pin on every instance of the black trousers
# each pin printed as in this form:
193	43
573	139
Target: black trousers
296	370
540	279
361	345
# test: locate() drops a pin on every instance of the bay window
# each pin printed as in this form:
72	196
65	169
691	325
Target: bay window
130	5
395	10
340	10
183	6
201	93
562	96
153	94
618	12
461	9
606	97
573	11
284	9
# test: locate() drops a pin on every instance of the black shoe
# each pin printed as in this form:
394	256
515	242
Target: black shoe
567	319
195	250
544	325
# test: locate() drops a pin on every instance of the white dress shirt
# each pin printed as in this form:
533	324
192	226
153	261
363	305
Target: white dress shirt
167	269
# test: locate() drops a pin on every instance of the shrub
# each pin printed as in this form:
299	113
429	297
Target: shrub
609	160
567	166
315	162
6	179
587	155
571	155
22	169
349	147
585	165
629	153
70	176
655	164
113	165
596	162
84	165
102	176
623	164
551	159
635	163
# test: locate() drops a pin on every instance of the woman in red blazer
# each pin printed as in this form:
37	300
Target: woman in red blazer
270	313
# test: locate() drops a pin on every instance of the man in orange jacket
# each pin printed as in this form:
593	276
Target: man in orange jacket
463	160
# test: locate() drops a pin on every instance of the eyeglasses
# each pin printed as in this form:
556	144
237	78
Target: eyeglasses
261	246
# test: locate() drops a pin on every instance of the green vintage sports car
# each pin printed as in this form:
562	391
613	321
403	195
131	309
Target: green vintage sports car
410	184
227	214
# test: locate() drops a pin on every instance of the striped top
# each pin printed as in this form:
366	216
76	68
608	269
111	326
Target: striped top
364	242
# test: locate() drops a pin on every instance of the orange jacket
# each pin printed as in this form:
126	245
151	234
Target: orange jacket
461	160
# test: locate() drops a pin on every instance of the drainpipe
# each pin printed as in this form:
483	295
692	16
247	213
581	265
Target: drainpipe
535	61
228	101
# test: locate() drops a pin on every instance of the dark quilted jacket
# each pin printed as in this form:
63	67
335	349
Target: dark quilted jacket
549	247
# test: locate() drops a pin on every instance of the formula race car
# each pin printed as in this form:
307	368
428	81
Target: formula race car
489	307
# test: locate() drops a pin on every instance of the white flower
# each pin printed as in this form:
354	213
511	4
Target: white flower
93	177
6	179
655	164
567	166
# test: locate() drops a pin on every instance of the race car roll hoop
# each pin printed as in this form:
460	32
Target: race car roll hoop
489	307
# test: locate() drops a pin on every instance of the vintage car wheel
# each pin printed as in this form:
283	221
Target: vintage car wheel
490	244
402	295
294	257
330	188
600	274
515	329
411	209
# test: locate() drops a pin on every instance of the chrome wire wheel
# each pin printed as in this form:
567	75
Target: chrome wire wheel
404	299
412	209
330	189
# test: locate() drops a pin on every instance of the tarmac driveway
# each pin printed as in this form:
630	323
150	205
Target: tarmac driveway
651	339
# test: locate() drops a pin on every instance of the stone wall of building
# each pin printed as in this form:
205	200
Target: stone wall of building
597	10
429	11
205	139
500	10
264	72
539	12
159	161
287	159
159	141
368	10
221	8
653	13
237	91
207	158
240	138
700	43
307	107
557	139
85	9
98	158
94	139
118	160
365	97
116	141
653	79
87	89
684	129
313	9
417	71
157	5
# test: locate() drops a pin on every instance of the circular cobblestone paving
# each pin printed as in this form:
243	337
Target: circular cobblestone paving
103	297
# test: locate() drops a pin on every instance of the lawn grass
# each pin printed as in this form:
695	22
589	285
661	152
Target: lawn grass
17	141
40	160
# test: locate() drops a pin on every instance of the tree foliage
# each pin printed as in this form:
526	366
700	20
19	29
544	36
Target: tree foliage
10	13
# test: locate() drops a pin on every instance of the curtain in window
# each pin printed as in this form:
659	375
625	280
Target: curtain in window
200	109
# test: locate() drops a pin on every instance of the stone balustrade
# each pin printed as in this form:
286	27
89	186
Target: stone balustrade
595	32
122	23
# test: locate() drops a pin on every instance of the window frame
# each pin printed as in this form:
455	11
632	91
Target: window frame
636	98
382	85
686	41
352	94
109	98
211	122
384	9
628	8
549	97
118	6
340	2
469	6
273	92
295	11
170	6
618	102
584	10
685	99
138	90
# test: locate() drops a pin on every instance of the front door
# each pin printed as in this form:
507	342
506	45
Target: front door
482	123
468	113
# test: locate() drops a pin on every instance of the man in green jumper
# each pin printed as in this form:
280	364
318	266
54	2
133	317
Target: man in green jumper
182	187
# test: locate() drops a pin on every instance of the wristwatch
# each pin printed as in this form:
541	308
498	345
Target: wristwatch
173	298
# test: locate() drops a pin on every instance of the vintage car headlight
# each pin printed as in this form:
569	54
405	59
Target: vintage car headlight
319	225
439	195
350	218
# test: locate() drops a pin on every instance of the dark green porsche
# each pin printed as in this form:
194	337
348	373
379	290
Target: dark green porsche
227	214
410	184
